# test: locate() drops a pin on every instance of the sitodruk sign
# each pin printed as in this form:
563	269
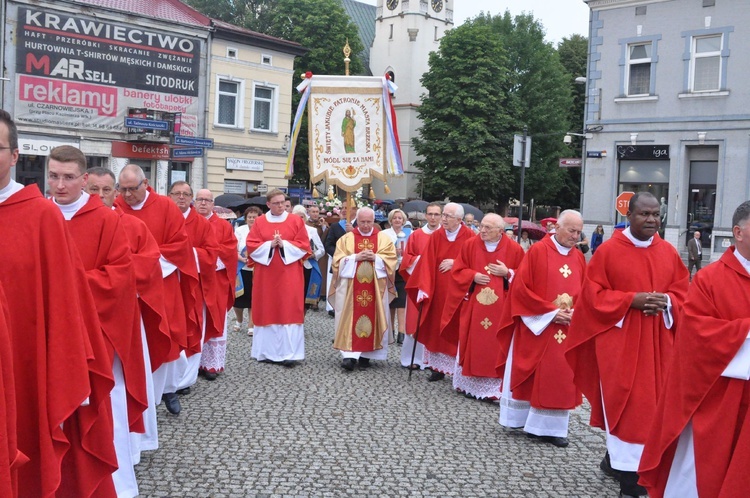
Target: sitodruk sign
84	73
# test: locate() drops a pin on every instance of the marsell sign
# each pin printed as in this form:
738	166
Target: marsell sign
143	150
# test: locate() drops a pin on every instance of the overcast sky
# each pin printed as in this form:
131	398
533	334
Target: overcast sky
560	18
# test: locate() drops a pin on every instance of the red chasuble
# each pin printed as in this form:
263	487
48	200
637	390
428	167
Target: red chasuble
429	279
166	223
228	253
479	307
278	298
10	456
629	362
546	281
713	327
203	240
150	286
415	246
49	339
106	256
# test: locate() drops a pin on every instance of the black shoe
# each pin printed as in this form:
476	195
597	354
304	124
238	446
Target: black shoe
400	339
348	363
629	485
289	363
560	442
210	375
331	313
184	391
606	467
172	402
435	376
363	363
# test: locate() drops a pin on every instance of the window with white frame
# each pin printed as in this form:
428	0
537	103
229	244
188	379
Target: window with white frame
639	69
229	97
264	107
705	64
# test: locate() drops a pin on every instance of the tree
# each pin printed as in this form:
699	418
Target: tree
321	26
466	116
573	53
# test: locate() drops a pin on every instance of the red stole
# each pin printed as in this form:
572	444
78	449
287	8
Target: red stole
540	373
364	294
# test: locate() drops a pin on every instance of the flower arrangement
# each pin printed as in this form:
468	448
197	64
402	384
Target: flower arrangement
331	205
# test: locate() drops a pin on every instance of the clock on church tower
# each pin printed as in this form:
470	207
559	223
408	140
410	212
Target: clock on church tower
437	5
391	4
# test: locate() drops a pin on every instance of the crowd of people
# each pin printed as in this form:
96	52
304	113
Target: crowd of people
114	298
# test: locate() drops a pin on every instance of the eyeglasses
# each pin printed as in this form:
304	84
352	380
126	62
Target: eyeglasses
448	215
54	177
125	190
433	214
201	199
279	203
181	194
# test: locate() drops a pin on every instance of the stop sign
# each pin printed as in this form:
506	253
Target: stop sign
622	202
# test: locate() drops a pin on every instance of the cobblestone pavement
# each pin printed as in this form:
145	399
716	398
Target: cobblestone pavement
316	430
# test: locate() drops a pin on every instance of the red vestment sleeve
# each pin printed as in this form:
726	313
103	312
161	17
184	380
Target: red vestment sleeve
204	243
715	324
228	254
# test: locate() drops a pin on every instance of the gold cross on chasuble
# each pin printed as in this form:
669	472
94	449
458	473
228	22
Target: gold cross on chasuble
364	298
486	323
559	337
365	244
566	271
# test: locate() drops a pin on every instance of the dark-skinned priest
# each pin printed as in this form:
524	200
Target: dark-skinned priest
363	269
538	389
278	244
481	277
622	335
428	287
700	439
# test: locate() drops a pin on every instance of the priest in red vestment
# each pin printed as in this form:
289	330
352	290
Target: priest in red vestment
214	352
481	277
363	268
278	243
416	244
51	350
429	285
205	248
538	389
10	456
105	252
699	443
179	272
151	319
622	334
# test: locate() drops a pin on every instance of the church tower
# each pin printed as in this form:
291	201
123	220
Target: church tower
406	31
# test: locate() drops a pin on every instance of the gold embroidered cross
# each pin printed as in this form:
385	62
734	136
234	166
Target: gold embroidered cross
566	271
365	245
364	298
560	337
486	323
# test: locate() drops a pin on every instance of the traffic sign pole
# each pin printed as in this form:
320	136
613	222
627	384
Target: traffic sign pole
523	171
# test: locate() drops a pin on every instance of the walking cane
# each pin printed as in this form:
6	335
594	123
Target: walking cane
416	337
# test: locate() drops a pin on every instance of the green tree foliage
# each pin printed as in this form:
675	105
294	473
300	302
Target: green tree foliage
321	26
528	86
466	115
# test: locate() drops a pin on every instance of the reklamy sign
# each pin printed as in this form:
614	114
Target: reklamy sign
76	48
188	152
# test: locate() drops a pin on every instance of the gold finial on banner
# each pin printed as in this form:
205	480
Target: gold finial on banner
372	192
347	60
386	188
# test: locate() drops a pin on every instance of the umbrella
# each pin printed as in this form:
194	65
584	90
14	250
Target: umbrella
536	232
229	200
548	220
417	215
469	209
257	201
224	213
417	205
510	220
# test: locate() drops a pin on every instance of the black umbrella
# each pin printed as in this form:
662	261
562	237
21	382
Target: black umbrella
256	201
469	209
229	200
415	206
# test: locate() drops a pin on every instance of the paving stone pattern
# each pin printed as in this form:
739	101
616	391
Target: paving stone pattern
263	430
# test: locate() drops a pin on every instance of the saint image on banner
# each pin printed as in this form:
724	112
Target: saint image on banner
347	131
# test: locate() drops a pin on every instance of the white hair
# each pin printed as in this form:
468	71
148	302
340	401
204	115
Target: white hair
568	213
364	210
299	209
459	209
